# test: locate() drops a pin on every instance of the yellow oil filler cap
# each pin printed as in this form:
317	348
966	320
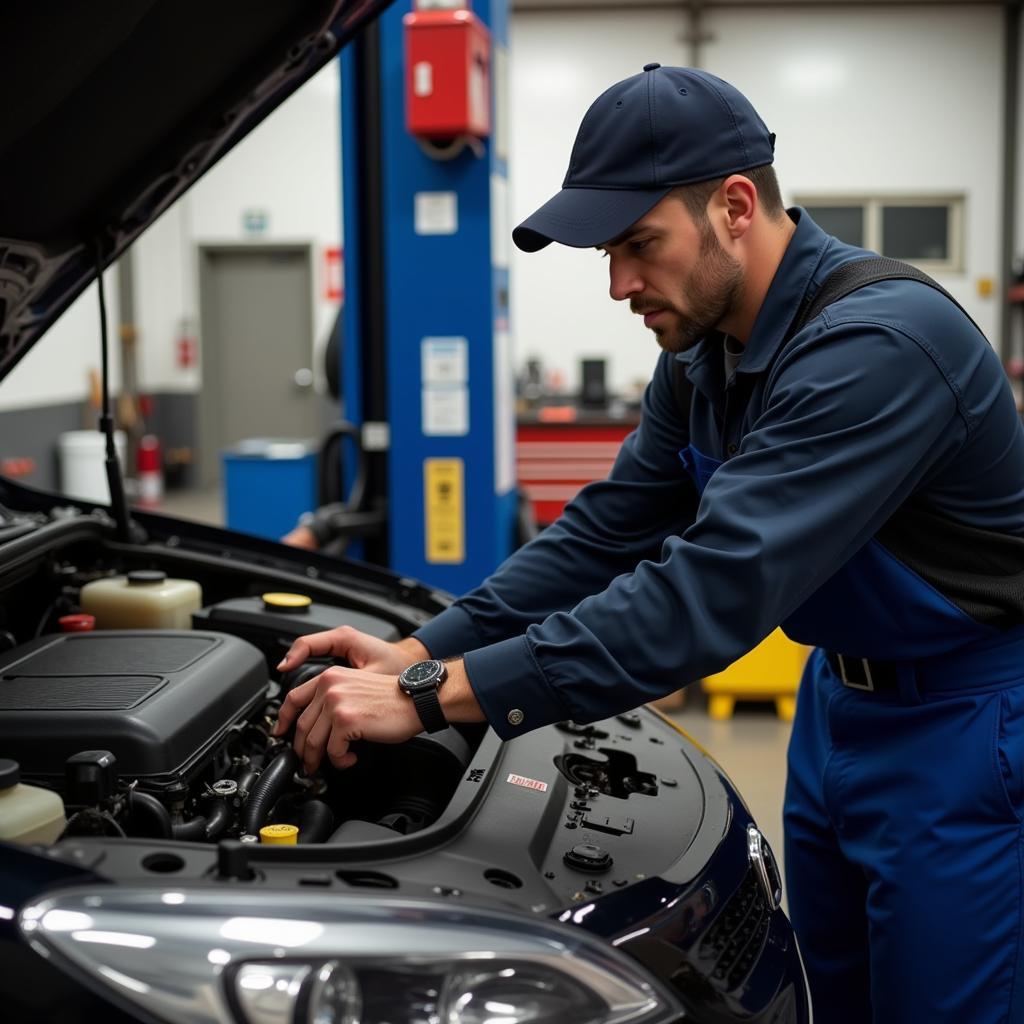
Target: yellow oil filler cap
279	835
282	602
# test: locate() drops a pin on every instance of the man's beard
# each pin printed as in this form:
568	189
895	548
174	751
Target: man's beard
712	290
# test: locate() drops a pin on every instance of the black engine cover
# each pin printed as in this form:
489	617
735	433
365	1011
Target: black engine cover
159	700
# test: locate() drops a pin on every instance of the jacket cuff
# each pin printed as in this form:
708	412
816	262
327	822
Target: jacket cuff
511	689
449	634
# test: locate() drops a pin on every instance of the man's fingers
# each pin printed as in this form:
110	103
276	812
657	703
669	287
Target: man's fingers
293	705
316	740
305	723
332	642
338	752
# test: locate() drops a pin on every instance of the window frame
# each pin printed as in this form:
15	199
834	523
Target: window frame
872	206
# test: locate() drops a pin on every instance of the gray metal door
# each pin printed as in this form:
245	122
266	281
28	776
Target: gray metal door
257	348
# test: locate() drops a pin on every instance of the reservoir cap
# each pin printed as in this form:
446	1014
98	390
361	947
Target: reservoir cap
77	623
10	773
279	835
281	602
141	577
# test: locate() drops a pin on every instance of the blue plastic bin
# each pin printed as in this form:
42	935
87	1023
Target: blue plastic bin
268	483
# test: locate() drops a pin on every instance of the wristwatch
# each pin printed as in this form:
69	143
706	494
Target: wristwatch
421	681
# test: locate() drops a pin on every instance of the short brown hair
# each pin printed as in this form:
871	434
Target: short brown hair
696	196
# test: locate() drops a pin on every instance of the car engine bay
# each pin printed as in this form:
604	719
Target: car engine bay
166	733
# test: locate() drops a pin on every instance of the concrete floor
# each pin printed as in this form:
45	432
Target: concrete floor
750	747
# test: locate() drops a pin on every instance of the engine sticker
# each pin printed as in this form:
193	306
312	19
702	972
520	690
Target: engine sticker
522	780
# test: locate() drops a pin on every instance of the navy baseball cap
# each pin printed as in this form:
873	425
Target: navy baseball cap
640	139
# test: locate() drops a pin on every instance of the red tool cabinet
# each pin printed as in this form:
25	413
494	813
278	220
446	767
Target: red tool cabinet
555	460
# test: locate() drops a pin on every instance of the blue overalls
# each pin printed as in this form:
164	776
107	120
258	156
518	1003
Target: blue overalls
899	855
861	484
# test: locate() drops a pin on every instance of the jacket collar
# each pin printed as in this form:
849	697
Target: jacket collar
781	304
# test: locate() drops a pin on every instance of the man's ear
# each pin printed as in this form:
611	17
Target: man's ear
739	202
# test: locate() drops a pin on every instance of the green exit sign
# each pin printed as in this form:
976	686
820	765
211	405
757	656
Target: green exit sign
254	222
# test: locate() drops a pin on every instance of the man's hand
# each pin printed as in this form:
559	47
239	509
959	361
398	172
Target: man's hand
360	650
343	705
301	537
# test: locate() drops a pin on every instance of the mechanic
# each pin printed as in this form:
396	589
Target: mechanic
859	480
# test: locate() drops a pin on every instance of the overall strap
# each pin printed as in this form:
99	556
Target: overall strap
856	274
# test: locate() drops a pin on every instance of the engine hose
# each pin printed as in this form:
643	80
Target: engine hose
154	818
268	789
316	822
193	831
246	779
202	828
218	819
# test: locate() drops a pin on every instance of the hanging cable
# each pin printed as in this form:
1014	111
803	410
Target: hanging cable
118	505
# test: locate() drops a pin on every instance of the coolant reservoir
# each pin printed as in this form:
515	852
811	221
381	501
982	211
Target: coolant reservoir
28	814
144	599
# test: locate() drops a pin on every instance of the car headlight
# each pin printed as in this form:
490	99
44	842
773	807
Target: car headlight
206	957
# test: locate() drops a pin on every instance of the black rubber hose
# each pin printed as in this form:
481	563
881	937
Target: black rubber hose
150	812
316	822
193	831
218	819
246	779
204	828
268	789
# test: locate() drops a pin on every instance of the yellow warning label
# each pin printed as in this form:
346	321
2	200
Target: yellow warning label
444	509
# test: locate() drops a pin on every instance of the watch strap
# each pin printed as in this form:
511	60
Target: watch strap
428	707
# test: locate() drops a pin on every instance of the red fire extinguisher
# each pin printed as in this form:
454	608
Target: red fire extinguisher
150	473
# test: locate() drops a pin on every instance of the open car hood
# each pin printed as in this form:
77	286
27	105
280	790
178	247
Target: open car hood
112	113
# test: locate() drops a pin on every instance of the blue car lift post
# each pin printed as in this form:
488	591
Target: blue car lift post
429	302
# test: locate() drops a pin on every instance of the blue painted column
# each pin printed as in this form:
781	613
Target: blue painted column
449	378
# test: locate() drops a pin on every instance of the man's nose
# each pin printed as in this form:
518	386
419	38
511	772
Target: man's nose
624	281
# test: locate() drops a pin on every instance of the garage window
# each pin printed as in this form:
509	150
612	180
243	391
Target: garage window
926	231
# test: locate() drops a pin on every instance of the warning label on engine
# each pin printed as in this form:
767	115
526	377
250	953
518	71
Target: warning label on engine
522	780
443	505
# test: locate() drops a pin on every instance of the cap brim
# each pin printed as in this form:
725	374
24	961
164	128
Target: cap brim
585	217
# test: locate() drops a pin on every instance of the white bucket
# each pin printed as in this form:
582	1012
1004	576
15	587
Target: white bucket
83	472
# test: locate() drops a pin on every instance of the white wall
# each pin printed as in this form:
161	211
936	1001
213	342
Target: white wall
560	63
289	167
57	369
876	99
883	101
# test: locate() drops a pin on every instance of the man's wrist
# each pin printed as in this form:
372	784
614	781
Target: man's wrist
458	701
413	649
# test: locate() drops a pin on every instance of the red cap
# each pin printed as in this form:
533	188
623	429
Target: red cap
77	623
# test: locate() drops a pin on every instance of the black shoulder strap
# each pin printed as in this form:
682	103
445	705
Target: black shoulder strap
856	274
843	281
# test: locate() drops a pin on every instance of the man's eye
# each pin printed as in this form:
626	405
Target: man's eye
639	244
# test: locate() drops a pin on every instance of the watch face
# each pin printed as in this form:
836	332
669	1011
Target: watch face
421	674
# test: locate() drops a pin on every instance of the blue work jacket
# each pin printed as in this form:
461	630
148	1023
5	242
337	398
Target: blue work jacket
860	483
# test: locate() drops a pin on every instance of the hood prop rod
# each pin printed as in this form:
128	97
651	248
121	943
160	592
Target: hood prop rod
118	504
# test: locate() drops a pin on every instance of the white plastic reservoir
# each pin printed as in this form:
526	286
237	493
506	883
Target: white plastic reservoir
83	471
144	599
28	814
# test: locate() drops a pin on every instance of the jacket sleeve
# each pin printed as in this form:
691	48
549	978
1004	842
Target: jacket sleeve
855	416
605	531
